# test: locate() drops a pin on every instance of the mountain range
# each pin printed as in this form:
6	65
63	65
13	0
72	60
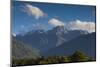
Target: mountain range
60	41
84	43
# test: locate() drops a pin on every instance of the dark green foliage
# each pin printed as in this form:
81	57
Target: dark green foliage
54	60
79	56
42	60
23	61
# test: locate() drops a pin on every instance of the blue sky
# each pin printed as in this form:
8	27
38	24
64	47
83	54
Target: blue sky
63	12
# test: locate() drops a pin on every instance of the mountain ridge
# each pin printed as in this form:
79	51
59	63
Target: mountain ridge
21	50
86	43
44	40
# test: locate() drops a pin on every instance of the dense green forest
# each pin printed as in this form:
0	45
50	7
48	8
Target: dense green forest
77	56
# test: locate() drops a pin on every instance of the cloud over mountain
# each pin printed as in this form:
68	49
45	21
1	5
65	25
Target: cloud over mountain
33	11
82	25
74	25
55	22
39	26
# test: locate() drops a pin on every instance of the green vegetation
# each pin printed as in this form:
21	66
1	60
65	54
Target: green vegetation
78	56
21	50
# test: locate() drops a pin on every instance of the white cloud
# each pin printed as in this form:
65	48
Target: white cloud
55	22
14	34
39	26
82	25
33	11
